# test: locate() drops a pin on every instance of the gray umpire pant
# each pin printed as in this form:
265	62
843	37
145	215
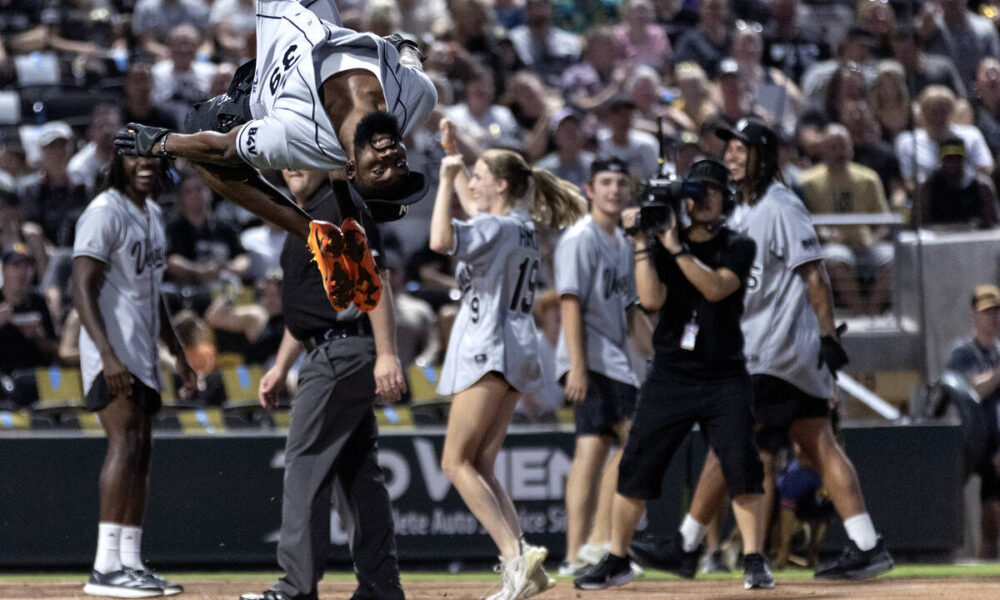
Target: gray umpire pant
331	456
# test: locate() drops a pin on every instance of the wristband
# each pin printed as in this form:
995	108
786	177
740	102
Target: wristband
163	145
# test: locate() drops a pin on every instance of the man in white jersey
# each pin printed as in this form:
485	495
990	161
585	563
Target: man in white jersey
793	352
323	97
594	272
119	257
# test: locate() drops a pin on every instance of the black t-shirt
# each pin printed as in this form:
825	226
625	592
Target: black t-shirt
54	207
17	351
952	205
306	308
881	158
718	350
213	241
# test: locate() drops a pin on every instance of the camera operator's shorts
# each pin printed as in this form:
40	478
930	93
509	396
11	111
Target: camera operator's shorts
668	409
608	403
146	397
777	403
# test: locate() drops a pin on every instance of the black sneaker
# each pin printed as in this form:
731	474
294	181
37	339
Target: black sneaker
277	595
169	588
714	563
757	572
666	554
857	564
123	583
612	570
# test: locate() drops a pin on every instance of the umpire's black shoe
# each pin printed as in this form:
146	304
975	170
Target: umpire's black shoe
757	572
855	563
666	554
278	595
612	570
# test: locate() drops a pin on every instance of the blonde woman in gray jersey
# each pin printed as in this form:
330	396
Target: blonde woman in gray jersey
119	257
492	356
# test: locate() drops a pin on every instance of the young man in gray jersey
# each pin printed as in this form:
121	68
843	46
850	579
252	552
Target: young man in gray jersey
793	354
320	97
594	274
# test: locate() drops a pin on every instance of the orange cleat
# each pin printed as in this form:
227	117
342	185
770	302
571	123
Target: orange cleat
327	245
361	264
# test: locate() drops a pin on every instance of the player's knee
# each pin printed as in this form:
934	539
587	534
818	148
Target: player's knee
452	465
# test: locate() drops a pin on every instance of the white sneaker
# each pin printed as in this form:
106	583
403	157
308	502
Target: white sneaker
570	569
504	593
522	569
538	584
123	583
593	553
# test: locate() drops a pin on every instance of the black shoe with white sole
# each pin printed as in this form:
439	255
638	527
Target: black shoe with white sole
123	583
757	572
612	570
855	563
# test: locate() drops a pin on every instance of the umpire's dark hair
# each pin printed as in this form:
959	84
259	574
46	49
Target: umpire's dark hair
114	176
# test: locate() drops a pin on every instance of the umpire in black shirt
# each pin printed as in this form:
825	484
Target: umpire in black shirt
331	452
695	278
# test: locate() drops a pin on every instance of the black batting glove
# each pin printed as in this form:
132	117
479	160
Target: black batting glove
138	140
831	353
398	42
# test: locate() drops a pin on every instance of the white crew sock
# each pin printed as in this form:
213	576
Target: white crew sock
692	532
106	560
131	547
861	530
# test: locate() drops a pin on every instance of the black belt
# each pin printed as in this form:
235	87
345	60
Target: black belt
340	330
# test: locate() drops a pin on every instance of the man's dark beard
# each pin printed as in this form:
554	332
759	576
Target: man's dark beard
373	124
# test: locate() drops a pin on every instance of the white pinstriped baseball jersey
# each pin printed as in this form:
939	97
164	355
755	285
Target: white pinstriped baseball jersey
132	244
494	329
296	52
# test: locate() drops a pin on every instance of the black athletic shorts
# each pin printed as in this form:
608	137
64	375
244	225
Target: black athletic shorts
608	403
668	409
146	397
777	403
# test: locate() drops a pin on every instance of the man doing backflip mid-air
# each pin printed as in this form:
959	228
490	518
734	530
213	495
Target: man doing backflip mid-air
318	97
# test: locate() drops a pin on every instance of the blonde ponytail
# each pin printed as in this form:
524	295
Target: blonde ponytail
557	203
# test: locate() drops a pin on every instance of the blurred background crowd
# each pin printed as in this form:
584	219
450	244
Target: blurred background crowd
885	108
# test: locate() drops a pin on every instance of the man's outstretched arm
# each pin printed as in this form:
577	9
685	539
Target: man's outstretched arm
207	147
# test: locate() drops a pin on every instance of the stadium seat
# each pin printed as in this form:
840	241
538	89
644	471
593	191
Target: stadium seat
58	388
14	420
241	384
394	417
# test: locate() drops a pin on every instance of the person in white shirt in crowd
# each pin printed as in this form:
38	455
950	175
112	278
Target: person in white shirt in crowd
93	158
153	20
569	160
180	80
234	25
488	124
543	48
635	148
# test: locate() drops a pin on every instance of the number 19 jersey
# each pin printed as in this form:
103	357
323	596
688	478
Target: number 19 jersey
495	329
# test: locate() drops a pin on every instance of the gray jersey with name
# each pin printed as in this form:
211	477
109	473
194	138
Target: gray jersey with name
598	269
780	329
132	244
495	329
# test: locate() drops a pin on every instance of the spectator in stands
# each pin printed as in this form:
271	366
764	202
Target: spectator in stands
87	164
855	49
986	102
890	100
489	125
382	17
918	151
473	32
787	46
201	249
734	98
873	152
543	48
620	140
951	197
580	16
263	245
153	20
879	18
259	325
951	30
772	92
13	229
234	27
533	105
569	160
14	167
423	17
923	69
696	98
977	358
643	40
139	106
851	253
708	43
602	74
179	81
50	197
509	13
27	333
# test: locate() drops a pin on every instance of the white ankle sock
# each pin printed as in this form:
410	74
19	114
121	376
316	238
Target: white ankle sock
131	547
107	560
861	530
692	533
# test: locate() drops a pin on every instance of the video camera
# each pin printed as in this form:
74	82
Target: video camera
661	198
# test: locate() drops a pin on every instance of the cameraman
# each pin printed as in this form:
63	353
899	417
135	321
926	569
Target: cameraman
695	279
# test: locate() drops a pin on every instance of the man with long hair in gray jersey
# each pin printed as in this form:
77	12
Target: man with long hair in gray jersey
793	355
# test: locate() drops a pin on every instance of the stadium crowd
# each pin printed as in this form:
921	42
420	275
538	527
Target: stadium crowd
883	107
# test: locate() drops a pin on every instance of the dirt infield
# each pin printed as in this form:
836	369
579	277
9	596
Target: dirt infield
981	588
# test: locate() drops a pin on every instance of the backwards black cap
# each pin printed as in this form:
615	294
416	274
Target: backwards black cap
613	164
